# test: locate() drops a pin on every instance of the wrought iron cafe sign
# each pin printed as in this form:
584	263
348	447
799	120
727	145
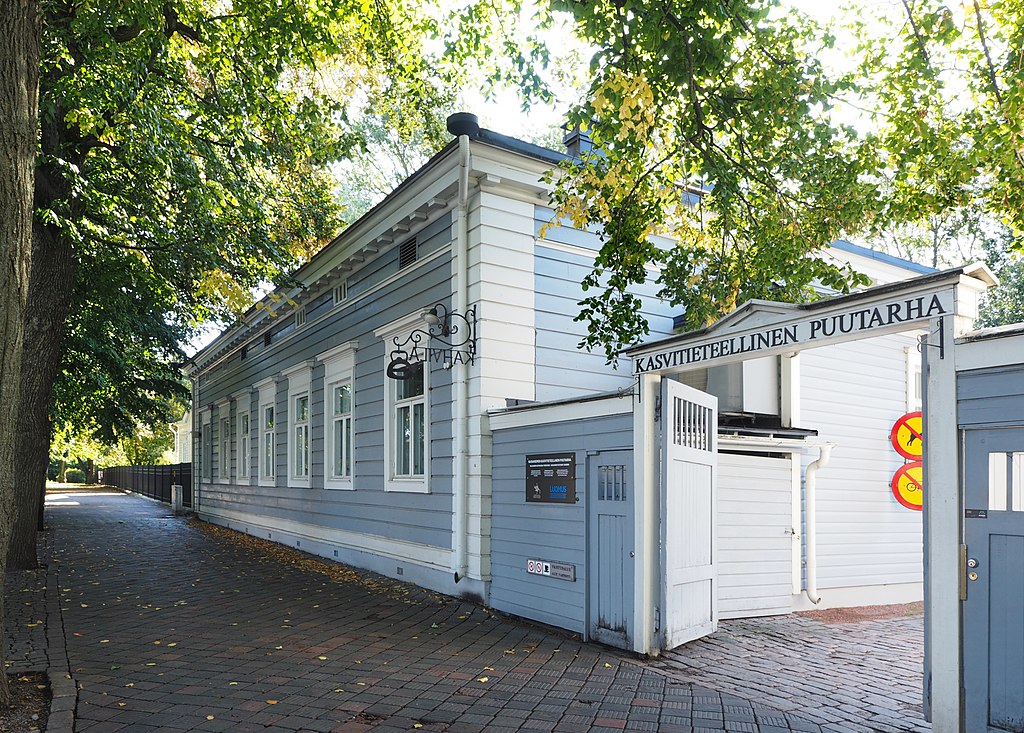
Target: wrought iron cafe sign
448	339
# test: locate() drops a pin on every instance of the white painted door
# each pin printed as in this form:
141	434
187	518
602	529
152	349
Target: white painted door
689	457
756	534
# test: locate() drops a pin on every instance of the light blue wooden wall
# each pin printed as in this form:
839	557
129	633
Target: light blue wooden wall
412	517
563	370
521	530
990	396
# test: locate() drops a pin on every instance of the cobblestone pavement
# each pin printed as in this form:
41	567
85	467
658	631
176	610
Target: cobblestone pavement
173	627
25	620
862	676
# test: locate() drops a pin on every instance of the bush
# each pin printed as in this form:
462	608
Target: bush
74	476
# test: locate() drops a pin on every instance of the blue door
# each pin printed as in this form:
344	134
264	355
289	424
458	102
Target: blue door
993	617
610	562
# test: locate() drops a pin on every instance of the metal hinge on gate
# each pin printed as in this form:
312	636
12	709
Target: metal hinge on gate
657	408
657	619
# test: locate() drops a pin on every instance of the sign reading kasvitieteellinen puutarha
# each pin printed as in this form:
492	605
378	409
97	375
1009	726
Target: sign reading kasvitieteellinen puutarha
883	315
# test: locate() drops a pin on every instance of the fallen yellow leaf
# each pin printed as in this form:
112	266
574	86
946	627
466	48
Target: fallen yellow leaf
607	665
150	664
482	679
209	717
232	683
121	704
271	702
322	658
339	690
104	641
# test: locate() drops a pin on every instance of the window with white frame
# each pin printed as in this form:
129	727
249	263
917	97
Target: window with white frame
409	409
300	436
407	413
266	432
206	445
224	447
299	403
914	395
339	426
243	444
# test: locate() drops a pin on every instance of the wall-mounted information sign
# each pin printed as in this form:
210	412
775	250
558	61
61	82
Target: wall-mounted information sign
551	478
549	569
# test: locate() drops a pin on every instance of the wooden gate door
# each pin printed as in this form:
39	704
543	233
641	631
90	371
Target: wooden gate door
993	639
689	466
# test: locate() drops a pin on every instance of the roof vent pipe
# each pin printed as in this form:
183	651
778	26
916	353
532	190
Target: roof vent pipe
463	123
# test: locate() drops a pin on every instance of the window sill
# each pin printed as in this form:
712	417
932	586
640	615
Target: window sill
339	484
407	485
268	481
299	483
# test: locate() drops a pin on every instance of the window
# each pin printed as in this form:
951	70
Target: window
300	436
299	408
339	411
266	436
341	431
243	445
913	379
410	424
406	412
224	449
268	467
1005	487
206	445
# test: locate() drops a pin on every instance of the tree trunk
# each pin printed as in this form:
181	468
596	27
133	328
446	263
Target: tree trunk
19	83
50	295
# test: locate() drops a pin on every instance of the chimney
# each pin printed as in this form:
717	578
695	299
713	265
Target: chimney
577	142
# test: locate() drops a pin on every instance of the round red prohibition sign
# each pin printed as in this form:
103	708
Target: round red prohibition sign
908	485
907	436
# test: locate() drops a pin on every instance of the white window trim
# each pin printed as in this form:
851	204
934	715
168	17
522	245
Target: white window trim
223	413
401	328
299	378
267	390
205	457
339	368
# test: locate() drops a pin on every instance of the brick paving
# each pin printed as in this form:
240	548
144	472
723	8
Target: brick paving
848	677
172	627
25	620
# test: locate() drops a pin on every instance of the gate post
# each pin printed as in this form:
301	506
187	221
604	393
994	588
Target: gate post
943	512
646	534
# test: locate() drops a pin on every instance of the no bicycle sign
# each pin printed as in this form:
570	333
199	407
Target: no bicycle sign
907	438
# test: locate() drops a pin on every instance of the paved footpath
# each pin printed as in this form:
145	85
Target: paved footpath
179	626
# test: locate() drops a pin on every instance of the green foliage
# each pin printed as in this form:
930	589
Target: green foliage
74	476
712	126
946	88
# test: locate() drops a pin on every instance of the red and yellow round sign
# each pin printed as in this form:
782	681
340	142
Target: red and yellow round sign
907	436
908	485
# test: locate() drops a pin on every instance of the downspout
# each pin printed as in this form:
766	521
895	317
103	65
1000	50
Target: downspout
810	504
463	125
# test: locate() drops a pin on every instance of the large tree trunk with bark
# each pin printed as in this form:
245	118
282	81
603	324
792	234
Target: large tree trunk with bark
19	83
51	291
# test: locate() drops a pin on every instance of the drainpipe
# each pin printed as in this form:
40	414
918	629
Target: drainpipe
810	504
463	125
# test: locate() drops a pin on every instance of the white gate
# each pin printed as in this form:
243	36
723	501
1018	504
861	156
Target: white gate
689	458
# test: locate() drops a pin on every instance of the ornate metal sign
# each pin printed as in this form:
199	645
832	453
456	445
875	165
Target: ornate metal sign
449	339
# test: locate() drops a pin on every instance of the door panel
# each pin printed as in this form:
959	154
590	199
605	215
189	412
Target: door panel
689	455
610	568
993	620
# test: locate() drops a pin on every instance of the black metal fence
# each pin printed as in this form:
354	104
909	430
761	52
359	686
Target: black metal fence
152	481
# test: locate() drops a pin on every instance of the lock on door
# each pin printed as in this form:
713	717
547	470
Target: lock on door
972	574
